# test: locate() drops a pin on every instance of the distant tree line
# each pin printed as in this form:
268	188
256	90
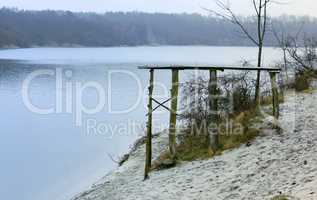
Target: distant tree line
22	28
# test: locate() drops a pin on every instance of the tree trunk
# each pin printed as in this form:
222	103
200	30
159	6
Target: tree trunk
258	77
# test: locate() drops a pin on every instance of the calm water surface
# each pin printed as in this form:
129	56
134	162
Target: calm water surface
48	156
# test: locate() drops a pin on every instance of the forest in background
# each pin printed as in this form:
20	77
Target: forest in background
21	28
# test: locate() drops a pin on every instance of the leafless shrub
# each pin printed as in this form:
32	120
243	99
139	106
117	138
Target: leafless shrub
241	88
235	95
303	58
195	101
300	57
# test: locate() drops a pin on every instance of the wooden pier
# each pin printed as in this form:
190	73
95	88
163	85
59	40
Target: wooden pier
213	104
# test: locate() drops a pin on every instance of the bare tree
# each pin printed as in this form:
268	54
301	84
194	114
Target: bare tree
260	9
287	43
283	42
304	55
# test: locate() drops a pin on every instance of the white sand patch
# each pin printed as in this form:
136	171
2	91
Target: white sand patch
274	164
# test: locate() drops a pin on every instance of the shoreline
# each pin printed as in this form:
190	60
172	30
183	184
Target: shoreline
128	46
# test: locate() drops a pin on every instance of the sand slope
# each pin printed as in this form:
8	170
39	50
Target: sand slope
273	164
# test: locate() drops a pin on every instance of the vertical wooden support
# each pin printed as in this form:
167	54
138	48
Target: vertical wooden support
173	111
148	150
275	95
213	135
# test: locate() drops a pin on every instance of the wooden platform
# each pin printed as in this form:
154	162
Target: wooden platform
212	139
200	67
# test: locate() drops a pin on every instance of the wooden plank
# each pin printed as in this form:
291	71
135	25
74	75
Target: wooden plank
148	146
161	104
173	113
220	68
213	136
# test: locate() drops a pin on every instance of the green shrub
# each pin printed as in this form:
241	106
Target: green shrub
303	80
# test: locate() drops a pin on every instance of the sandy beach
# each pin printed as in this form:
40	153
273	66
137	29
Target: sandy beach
274	164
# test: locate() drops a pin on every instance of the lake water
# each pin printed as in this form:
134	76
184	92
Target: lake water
62	144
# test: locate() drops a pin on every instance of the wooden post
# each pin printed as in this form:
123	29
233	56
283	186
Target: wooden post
213	136
275	95
173	111
148	150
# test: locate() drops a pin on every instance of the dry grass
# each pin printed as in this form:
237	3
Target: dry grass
163	161
232	139
281	197
268	100
309	91
195	147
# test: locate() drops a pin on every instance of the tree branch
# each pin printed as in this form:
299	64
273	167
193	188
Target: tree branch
255	7
230	16
265	19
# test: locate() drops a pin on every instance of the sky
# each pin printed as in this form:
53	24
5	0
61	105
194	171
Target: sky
244	7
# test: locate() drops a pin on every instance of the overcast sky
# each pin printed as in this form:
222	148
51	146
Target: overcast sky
296	7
